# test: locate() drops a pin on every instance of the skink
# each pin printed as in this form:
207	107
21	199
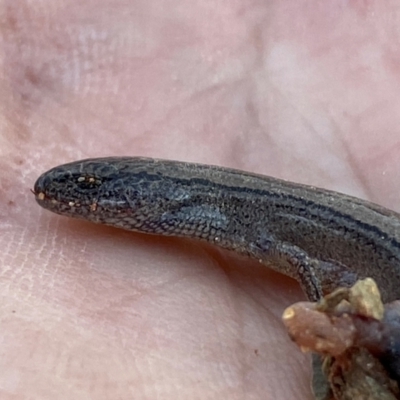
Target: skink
322	238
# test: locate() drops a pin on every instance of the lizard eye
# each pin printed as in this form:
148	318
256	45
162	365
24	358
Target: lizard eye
88	182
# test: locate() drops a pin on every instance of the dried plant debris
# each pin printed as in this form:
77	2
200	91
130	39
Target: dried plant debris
358	339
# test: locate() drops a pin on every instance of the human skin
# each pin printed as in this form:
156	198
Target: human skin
304	93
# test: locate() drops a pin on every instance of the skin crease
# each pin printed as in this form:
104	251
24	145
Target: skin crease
277	88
